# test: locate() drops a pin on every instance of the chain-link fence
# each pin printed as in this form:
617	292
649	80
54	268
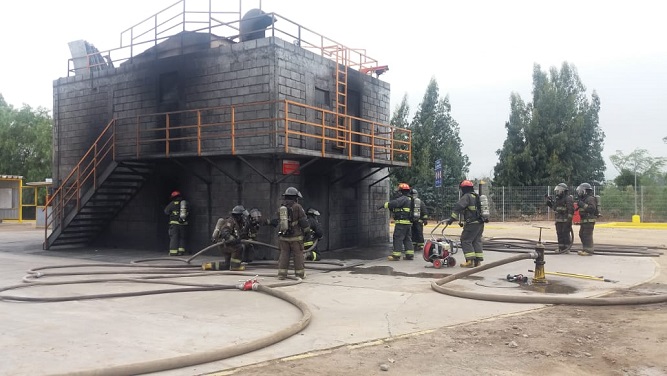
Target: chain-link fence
528	203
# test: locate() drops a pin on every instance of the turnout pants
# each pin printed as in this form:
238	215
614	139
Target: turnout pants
418	235
586	236
232	255
563	230
176	239
471	241
402	240
294	249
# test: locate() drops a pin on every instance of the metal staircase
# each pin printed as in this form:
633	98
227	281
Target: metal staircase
120	182
93	193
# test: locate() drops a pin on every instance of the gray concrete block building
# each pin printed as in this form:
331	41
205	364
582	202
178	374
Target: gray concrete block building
225	119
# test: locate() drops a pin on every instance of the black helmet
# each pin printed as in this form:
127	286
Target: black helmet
414	192
312	211
583	188
291	191
560	189
238	210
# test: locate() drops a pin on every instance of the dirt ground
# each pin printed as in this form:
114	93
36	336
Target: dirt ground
556	340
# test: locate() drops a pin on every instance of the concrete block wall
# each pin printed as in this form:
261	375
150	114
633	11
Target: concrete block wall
261	70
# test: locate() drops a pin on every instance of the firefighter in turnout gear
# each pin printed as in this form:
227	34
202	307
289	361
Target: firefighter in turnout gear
588	210
228	233
468	212
314	233
252	221
563	207
401	209
292	224
419	220
178	212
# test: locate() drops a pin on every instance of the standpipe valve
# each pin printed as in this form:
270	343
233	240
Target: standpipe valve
540	276
250	284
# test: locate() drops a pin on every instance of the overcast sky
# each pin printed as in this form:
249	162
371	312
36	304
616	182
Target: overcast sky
478	51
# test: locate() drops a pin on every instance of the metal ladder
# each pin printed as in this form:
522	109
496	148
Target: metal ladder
342	122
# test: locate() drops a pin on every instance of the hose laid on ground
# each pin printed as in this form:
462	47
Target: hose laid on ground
317	265
437	286
162	272
210	356
244	241
514	245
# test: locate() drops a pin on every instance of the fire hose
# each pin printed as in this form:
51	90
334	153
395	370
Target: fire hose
518	245
214	355
438	286
157	276
153	277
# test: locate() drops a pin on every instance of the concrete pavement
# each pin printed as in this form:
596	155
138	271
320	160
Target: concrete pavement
378	299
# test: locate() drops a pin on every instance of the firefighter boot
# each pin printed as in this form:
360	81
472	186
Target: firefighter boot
585	253
282	274
211	265
235	265
395	256
478	262
300	273
409	255
468	264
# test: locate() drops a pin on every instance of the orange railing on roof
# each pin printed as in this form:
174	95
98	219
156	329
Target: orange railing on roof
295	129
186	16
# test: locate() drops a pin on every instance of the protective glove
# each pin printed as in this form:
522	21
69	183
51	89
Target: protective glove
214	240
581	204
449	221
425	222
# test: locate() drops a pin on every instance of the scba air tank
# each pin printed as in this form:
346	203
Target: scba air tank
184	210
484	206
283	225
416	214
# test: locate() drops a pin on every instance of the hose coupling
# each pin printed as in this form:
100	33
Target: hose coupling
251	284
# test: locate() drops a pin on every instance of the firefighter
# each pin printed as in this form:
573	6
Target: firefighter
314	233
563	207
252	220
468	212
292	224
228	233
400	207
588	211
178	212
419	220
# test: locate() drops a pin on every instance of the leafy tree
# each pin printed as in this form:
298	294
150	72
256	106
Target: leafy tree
554	138
639	163
25	141
435	135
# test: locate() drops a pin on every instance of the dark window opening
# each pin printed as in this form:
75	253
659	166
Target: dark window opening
168	90
322	97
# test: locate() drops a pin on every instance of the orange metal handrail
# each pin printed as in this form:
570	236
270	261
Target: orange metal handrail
208	131
132	44
89	166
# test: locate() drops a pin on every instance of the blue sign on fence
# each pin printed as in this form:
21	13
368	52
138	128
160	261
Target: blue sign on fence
438	173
